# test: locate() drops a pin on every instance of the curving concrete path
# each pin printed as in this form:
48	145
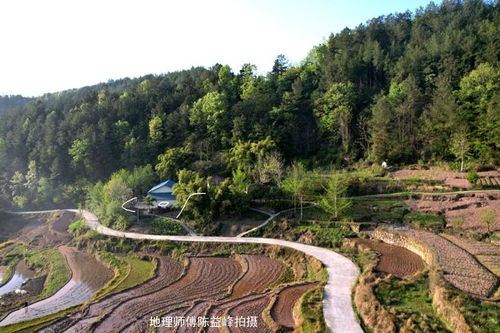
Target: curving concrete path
342	272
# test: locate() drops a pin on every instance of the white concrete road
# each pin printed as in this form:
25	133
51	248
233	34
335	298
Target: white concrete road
342	272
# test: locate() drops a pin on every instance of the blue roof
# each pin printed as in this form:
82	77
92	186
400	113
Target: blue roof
163	196
169	183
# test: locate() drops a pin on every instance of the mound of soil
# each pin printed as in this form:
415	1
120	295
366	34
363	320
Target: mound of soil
394	260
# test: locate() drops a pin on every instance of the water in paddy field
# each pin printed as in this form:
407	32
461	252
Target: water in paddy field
21	275
73	293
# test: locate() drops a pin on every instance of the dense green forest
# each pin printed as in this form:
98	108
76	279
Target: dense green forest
402	88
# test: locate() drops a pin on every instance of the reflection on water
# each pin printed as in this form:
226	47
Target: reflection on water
21	275
73	293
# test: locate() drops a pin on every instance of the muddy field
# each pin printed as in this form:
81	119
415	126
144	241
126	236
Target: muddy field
88	276
49	232
394	260
459	267
461	211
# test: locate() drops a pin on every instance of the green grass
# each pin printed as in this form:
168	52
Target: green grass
286	277
58	273
410	299
164	226
140	271
481	316
129	272
391	211
49	261
424	220
121	269
311	311
38	323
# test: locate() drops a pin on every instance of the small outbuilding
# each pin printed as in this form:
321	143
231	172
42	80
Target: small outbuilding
162	194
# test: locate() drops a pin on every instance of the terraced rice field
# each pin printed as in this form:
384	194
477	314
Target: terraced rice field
54	233
466	209
282	310
489	181
207	287
395	260
487	254
459	267
88	276
168	271
21	274
206	278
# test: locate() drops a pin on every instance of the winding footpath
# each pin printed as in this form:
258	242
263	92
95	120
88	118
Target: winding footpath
342	272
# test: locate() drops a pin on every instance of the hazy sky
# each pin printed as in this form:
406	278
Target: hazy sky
53	45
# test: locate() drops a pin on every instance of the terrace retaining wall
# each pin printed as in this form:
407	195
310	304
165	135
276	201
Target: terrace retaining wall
438	287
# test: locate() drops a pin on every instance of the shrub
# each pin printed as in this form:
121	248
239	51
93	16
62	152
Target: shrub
472	177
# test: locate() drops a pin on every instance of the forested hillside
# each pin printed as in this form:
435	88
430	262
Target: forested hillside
13	101
402	88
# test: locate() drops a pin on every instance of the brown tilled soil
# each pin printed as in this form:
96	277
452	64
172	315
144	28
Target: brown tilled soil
39	232
395	260
282	310
464	208
168	271
459	267
262	272
250	308
211	287
486	253
206	278
453	178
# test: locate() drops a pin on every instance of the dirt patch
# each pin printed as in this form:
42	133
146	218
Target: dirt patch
62	223
48	231
452	178
394	260
86	268
2	272
233	227
460	211
282	310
